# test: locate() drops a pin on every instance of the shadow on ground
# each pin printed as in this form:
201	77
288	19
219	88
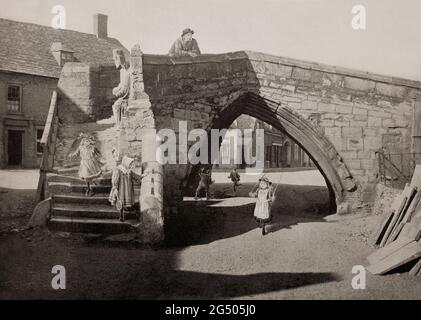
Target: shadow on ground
16	207
228	215
98	269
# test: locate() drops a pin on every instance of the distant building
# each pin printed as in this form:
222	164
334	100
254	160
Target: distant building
280	150
31	58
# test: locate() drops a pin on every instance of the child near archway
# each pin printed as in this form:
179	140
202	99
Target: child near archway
265	197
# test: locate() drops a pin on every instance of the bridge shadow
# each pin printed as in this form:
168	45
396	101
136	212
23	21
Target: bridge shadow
228	215
199	285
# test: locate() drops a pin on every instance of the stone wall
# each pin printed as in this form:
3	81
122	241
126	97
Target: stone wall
86	91
356	112
85	100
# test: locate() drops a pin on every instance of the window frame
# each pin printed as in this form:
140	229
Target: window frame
66	53
20	109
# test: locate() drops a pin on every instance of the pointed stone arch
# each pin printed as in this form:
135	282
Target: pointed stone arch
305	133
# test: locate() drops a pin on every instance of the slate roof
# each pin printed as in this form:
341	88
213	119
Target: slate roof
25	48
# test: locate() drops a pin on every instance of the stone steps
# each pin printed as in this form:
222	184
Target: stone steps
101	211
72	211
69	187
76	180
101	198
89	225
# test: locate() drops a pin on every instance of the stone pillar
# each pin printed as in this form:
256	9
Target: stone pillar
138	139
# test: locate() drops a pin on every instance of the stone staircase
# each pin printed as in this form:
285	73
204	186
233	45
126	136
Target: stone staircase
72	211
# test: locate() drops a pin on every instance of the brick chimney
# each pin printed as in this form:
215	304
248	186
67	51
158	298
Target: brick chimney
100	25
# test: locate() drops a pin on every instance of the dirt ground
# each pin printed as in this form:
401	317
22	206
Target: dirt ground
215	250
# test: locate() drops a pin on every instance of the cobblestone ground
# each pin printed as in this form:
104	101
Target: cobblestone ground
309	252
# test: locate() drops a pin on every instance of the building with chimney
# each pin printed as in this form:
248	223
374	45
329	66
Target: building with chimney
31	59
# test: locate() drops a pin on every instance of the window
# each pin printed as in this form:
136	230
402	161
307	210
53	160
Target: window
268	153
39	137
13	98
66	57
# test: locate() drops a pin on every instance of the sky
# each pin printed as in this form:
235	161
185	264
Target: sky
312	30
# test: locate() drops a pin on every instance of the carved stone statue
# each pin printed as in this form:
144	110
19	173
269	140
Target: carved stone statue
122	91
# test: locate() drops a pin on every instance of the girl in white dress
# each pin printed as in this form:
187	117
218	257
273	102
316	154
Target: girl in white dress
90	164
265	197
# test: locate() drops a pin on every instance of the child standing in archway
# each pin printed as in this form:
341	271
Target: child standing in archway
265	197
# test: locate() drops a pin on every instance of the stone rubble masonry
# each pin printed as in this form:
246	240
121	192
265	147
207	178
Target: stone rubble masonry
85	100
347	114
86	91
353	109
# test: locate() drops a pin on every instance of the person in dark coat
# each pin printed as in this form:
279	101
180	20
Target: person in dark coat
185	45
235	178
204	183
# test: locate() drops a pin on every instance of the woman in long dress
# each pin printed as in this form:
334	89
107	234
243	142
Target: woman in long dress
90	165
265	198
122	181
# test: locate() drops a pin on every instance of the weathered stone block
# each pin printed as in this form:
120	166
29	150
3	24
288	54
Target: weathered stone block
379	114
296	99
351	154
384	103
324	107
372	143
374	122
388	123
294	105
343	109
343	99
307	75
358	84
367	164
179	113
326	123
390	90
333	132
360	117
365	154
353	164
278	70
333	116
339	123
355	144
359	111
358	123
400	121
338	142
354	132
288	87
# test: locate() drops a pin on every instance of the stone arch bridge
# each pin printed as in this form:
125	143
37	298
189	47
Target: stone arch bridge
339	116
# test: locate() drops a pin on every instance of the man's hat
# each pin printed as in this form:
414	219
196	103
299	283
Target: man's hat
187	30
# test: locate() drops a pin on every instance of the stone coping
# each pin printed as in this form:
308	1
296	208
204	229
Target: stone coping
152	59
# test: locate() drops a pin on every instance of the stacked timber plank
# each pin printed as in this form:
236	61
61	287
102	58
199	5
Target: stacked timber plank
398	233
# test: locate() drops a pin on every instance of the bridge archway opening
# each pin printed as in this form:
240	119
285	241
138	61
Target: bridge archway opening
300	131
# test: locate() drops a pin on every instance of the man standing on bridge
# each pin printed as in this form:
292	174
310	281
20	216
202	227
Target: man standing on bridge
185	45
